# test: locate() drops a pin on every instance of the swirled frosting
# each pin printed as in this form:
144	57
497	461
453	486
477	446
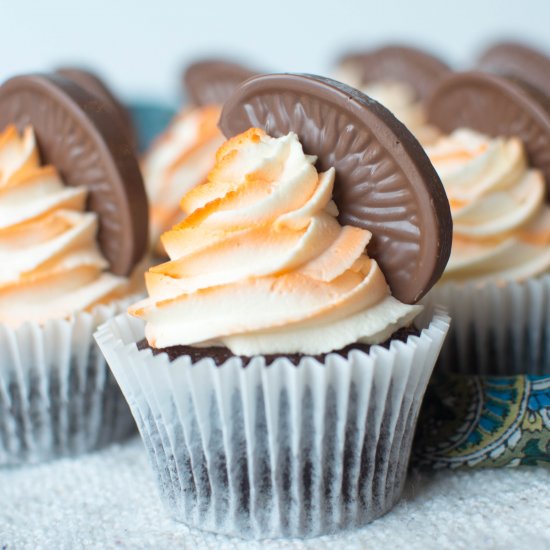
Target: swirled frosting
501	220
399	98
261	265
178	161
50	263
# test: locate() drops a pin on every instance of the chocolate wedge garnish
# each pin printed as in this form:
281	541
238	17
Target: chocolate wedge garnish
520	61
384	181
212	81
87	147
419	69
96	86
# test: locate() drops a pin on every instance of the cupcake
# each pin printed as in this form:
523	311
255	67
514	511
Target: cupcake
277	367
72	228
182	156
399	77
495	167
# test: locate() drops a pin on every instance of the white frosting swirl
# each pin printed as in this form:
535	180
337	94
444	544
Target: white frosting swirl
398	97
178	161
261	265
501	220
50	264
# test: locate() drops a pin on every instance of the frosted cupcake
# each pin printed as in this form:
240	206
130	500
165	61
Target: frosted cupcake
495	167
275	376
399	77
64	267
182	156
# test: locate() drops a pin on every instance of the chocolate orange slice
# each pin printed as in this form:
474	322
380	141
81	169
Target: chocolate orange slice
212	81
415	67
96	86
88	147
384	181
496	106
518	60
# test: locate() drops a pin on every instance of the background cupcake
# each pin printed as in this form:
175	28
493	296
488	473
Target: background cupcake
266	407
487	405
494	165
182	156
73	228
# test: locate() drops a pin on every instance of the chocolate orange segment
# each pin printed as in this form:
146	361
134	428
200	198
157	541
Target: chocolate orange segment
496	106
212	81
384	181
518	60
80	138
415	67
96	86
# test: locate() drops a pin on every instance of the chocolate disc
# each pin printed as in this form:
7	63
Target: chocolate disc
419	69
93	84
212	81
496	106
384	180
85	144
517	60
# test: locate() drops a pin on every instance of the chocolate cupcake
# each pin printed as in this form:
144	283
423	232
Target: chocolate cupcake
182	156
73	226
279	381
399	77
495	166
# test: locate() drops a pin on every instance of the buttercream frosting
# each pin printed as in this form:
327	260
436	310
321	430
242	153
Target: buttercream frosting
500	216
177	162
50	263
261	265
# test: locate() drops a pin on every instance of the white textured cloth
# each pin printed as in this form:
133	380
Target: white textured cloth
108	500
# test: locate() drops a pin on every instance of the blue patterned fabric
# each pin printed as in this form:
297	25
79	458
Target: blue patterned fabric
484	421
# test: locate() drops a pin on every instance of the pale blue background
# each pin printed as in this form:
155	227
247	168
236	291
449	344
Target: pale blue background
140	46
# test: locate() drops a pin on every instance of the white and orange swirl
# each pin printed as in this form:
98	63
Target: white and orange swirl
177	162
261	264
501	219
50	263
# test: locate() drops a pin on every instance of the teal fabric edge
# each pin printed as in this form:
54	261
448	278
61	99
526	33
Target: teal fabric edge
150	119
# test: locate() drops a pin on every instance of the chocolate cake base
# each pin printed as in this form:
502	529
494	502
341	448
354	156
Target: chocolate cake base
221	354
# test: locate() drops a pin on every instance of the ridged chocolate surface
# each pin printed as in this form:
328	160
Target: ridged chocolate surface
384	181
77	135
96	86
496	106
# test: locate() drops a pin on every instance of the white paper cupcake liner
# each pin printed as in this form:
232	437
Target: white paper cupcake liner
497	329
57	395
281	450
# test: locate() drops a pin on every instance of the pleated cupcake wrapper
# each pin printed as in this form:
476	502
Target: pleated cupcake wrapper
57	395
497	329
281	450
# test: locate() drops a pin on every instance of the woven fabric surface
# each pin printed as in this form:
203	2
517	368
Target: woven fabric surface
109	500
